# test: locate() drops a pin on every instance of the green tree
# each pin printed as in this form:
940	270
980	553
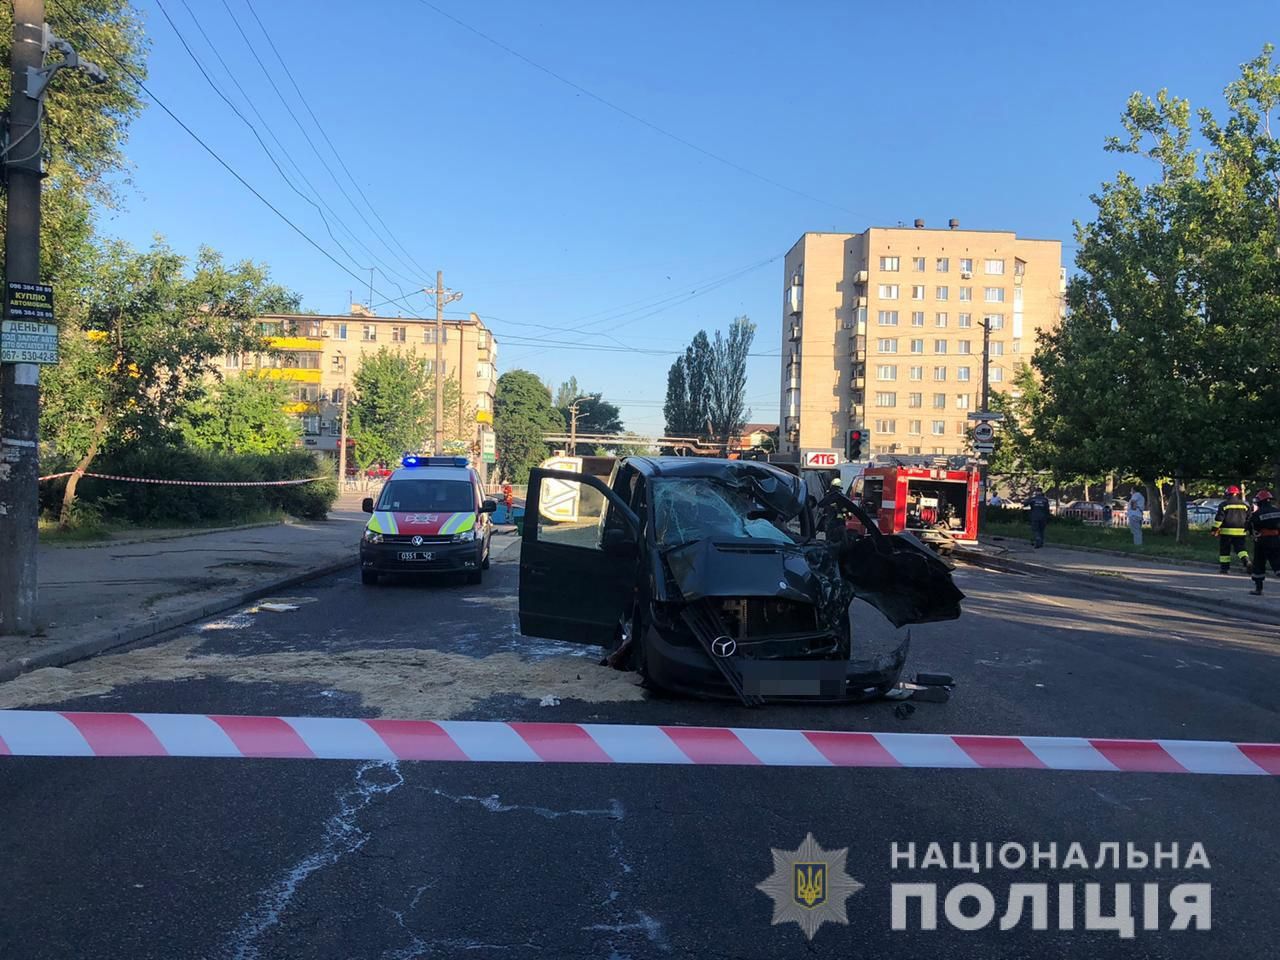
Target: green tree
146	347
244	414
522	415
595	415
393	409
688	386
567	393
727	381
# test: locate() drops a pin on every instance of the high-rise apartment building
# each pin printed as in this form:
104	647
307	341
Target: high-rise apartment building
318	357
882	330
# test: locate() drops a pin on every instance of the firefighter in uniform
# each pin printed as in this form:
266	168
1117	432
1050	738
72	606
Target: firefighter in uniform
1228	527
1264	524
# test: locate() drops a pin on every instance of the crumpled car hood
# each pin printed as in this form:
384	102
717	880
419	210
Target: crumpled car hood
742	568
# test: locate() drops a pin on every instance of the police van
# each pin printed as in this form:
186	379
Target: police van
431	517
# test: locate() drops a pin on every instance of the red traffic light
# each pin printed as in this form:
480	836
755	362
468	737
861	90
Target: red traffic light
855	434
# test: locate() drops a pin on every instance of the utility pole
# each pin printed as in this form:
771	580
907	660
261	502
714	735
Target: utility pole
20	382
986	399
573	425
342	437
442	297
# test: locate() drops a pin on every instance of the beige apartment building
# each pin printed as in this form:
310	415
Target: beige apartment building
882	330
319	355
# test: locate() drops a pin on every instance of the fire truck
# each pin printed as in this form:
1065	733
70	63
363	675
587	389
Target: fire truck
935	498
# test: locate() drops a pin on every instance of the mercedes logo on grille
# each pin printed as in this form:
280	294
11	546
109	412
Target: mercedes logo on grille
724	646
417	541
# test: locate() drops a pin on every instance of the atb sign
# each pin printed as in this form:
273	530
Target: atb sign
821	459
28	333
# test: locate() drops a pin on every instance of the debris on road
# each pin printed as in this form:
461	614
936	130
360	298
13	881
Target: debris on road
550	701
276	607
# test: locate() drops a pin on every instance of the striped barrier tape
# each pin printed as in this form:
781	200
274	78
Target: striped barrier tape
40	733
188	483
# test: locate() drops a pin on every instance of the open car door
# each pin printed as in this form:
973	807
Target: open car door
579	558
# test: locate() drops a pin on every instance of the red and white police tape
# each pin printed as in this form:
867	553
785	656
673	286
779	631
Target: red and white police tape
41	733
187	483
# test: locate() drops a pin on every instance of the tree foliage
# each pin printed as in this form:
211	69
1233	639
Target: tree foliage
1169	345
727	384
522	415
688	390
244	414
595	415
393	409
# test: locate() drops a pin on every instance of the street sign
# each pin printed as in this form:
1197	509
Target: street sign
488	446
986	415
22	341
984	433
821	458
984	447
29	301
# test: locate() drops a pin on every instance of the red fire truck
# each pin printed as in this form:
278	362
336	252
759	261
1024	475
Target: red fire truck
937	499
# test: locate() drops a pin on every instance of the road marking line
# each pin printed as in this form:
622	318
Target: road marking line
46	733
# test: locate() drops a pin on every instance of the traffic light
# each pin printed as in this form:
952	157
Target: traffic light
854	443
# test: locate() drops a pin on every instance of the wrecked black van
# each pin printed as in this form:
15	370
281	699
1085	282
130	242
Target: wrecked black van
708	577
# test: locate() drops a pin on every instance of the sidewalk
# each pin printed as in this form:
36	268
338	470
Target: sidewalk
1152	581
99	596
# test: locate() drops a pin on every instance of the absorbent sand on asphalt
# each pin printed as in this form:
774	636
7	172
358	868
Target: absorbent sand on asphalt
404	683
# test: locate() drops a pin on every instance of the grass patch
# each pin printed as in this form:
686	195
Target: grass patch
92	530
1200	544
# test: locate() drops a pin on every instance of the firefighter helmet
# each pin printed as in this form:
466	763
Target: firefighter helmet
1233	490
1263	495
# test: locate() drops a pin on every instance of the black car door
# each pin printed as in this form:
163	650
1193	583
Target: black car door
578	558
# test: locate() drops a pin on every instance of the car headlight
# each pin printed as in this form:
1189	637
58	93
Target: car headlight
464	536
372	537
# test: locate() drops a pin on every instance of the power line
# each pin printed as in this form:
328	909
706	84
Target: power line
632	116
319	126
208	149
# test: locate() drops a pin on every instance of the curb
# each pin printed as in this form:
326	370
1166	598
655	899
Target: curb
75	650
194	532
1122	554
1127	588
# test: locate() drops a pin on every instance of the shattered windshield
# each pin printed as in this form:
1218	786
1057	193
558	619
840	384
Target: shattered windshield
688	509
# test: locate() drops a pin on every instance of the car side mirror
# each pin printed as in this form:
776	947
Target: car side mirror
367	504
489	506
617	541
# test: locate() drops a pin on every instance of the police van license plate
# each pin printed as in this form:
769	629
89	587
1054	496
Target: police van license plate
415	555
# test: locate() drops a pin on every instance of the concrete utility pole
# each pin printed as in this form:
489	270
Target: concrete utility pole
342	436
20	382
442	297
573	425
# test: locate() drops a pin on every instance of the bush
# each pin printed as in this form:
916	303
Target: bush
147	503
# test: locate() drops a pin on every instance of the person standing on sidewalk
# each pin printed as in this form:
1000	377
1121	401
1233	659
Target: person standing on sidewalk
1038	503
1228	527
1133	513
1264	524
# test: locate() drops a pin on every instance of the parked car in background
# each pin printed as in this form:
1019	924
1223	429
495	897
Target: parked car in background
1200	515
1086	510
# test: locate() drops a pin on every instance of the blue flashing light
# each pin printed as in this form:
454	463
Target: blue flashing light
410	461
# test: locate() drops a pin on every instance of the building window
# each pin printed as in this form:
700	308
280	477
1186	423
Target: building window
943	264
482	339
917	318
340	331
997	375
301	361
939	427
887	318
913	451
889	264
993	294
939	374
915	400
962	346
860	317
917	264
939	401
939	346
997	348
1015	346
915	427
916	373
941	293
429	368
339	364
940	319
964	320
399	334
369	333
917	346
429	334
917	292
962	403
961	428
886	426
886	371
993	267
887	345
888	291
962	374
338	394
484	371
484	402
1019	267
994	321
231	361
966	265
886	399
311	426
966	293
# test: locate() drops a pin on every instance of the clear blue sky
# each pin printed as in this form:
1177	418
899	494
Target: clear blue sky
551	210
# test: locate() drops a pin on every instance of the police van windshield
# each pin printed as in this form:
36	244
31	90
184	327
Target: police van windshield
426	495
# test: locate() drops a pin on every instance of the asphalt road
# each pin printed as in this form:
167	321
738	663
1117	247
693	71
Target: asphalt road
299	859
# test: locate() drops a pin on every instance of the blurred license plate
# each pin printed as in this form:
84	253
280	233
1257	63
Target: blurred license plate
416	555
793	678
